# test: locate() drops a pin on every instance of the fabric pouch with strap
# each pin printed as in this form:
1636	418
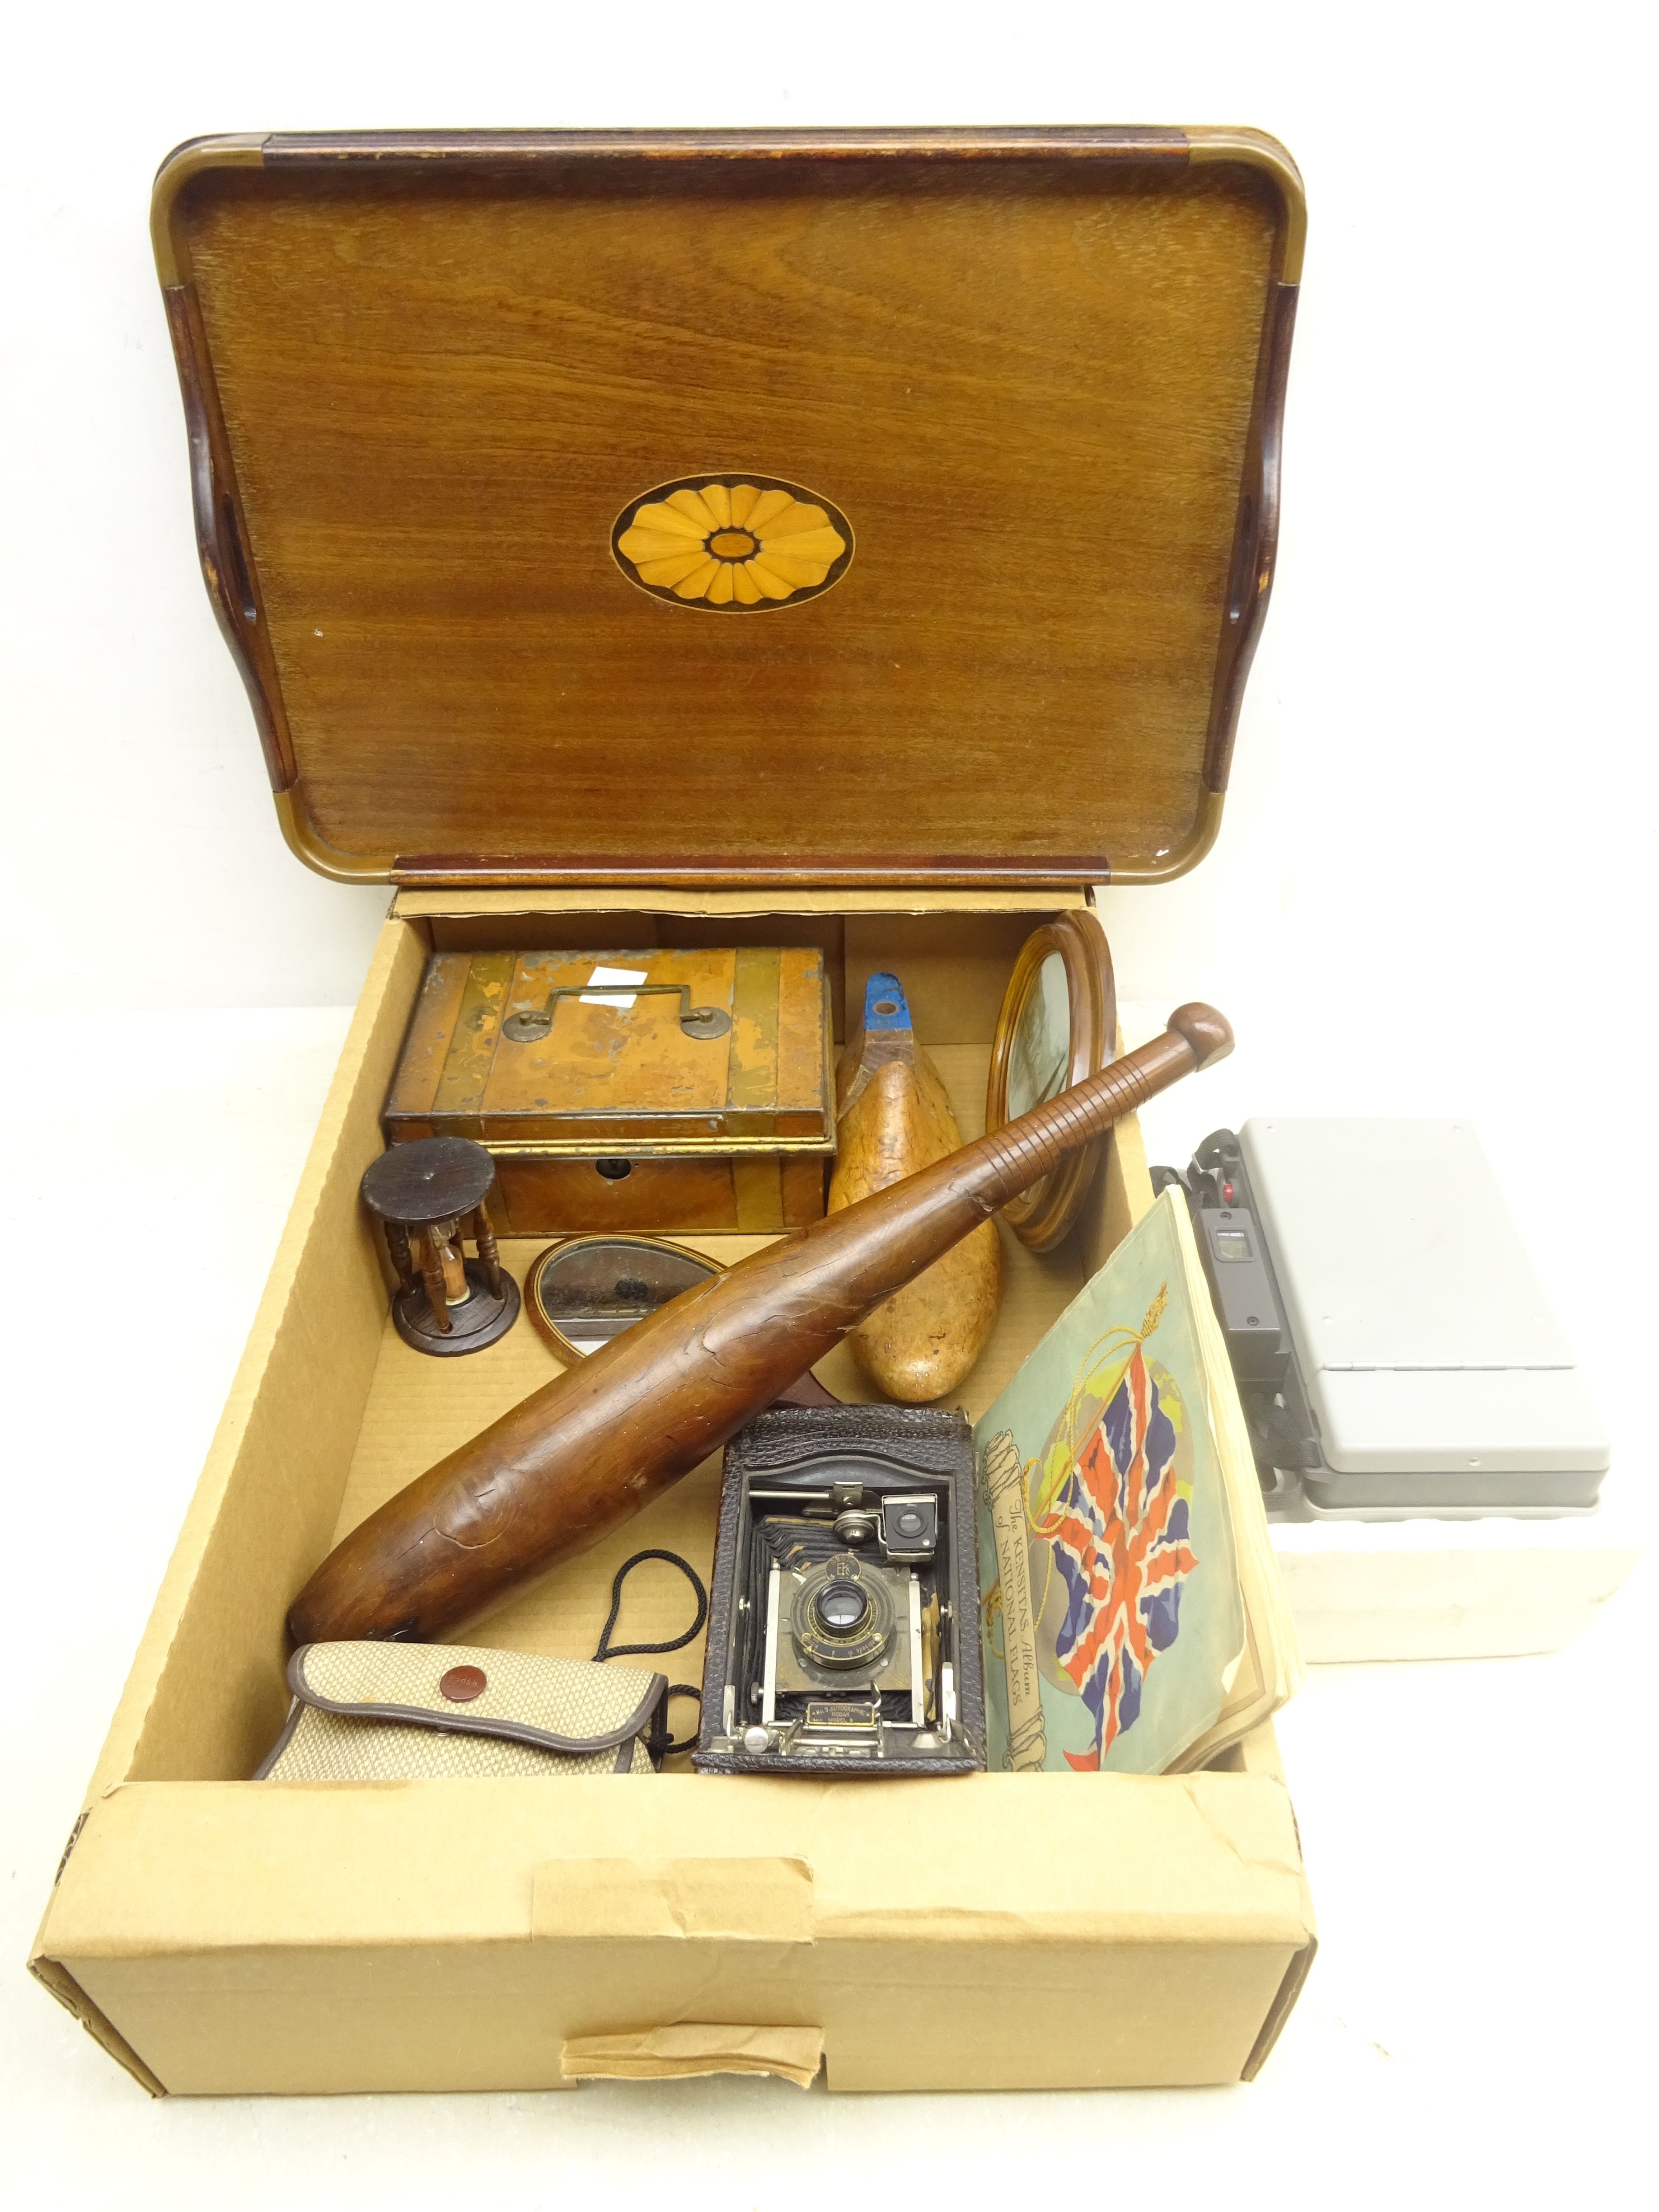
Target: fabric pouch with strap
414	1713
411	1712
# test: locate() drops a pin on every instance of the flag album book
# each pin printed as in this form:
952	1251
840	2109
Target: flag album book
1133	1619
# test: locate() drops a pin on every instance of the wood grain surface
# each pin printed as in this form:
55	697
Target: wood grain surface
617	1065
610	1115
922	1343
1039	385
556	1473
417	1411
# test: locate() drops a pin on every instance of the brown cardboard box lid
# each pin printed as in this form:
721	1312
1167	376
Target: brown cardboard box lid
1016	394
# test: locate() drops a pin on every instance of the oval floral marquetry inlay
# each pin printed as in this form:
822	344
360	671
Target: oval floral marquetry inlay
734	545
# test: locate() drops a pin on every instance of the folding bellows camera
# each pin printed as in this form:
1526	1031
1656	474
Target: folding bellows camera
843	1631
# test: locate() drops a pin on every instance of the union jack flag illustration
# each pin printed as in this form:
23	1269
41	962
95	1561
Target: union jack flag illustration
1121	1544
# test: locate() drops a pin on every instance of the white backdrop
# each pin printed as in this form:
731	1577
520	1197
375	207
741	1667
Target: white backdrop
1433	890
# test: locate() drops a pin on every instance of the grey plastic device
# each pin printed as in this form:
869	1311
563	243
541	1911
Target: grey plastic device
1236	1261
1438	1378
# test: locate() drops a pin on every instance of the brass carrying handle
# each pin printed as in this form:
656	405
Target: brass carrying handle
695	1021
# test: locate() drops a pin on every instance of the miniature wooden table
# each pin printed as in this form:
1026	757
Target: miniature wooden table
427	1196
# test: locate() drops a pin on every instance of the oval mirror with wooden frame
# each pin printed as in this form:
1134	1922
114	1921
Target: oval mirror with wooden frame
583	1290
1058	1025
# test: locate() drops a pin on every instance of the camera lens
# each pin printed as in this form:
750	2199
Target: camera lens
907	1521
842	1609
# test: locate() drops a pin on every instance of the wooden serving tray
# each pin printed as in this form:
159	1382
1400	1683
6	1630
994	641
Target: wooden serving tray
444	391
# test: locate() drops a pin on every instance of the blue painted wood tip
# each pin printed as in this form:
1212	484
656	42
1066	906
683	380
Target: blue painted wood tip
885	1006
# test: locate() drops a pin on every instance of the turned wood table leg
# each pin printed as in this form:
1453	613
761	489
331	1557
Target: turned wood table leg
432	1274
397	1241
487	1252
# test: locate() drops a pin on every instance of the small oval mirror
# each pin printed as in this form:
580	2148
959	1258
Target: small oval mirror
586	1291
1040	1054
1058	1026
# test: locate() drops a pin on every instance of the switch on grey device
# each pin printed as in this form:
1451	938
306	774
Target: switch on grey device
1394	1352
1230	1244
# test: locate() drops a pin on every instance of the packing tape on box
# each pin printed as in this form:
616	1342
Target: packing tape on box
695	2047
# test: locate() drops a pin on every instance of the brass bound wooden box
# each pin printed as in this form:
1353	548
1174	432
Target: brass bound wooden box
648	1090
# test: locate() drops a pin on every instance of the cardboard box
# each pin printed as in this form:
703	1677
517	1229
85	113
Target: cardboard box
223	1936
441	392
